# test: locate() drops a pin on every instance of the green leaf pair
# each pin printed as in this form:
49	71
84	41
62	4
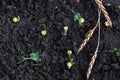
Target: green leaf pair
118	6
117	51
77	17
33	56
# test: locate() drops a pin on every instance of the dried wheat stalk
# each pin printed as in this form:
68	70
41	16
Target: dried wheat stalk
99	2
88	36
96	51
95	54
90	32
91	64
78	1
100	5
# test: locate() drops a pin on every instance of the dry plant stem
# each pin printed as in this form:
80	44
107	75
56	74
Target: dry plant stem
100	5
78	1
90	32
89	35
96	51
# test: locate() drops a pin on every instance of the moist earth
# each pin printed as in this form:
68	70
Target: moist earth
26	35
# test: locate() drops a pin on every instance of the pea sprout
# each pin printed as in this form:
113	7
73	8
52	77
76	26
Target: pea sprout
117	51
69	52
16	19
70	63
43	26
33	56
77	17
44	32
118	6
65	32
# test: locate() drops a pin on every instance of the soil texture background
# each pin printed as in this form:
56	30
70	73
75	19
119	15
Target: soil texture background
26	35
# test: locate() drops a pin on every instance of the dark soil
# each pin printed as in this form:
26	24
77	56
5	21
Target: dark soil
26	35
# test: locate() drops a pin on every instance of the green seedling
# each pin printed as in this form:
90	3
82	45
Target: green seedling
118	6
16	19
33	56
43	26
70	63
64	33
77	16
44	32
117	51
69	52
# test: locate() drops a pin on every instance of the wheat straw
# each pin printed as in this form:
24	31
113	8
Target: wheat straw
100	5
88	36
95	54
